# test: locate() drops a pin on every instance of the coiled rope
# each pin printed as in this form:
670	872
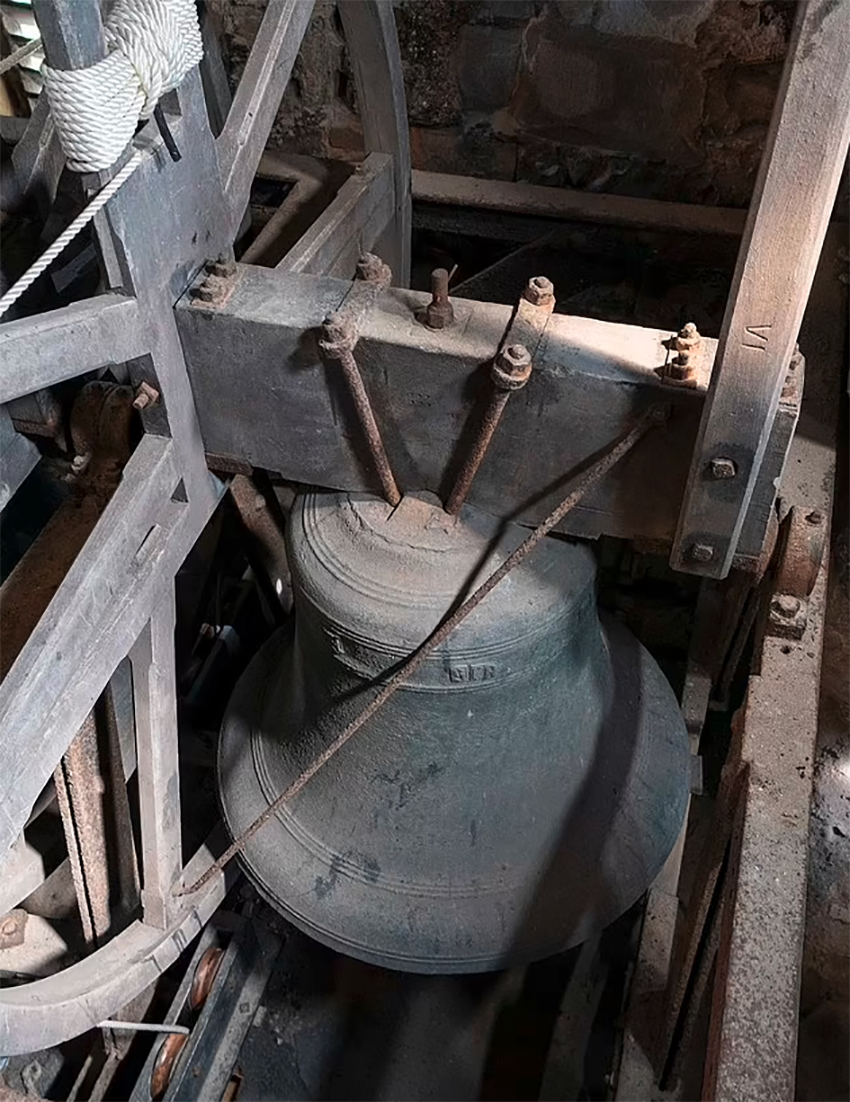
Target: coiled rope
153	44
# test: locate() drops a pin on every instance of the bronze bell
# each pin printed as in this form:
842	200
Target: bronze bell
519	793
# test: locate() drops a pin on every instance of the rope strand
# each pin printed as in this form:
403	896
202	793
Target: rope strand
67	236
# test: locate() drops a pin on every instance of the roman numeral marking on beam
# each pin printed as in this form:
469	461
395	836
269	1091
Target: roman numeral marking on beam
756	336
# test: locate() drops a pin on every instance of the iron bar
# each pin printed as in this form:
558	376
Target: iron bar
143	1027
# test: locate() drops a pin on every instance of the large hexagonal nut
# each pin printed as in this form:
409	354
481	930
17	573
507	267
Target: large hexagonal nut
512	367
539	291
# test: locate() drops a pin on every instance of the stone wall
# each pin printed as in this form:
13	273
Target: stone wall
669	99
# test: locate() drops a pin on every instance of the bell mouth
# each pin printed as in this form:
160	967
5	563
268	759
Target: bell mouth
471	825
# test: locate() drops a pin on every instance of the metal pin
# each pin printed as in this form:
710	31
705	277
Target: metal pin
439	313
142	1027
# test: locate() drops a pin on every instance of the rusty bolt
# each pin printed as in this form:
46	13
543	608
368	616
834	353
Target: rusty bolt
208	291
786	605
338	331
722	468
439	313
539	291
224	268
815	518
701	552
372	269
146	395
686	343
512	367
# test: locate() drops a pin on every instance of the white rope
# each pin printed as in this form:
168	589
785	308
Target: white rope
152	46
67	236
21	54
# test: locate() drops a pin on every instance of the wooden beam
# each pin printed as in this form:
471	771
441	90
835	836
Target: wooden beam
45	349
243	138
264	396
801	167
91	623
353	223
370	33
565	205
18	456
155	696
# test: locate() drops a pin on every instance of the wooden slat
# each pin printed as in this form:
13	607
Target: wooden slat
48	348
352	224
98	611
802	164
370	34
257	99
155	696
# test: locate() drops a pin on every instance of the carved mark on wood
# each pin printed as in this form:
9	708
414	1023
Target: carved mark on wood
756	336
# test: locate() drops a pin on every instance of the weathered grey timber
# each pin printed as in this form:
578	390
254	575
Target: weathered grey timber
263	396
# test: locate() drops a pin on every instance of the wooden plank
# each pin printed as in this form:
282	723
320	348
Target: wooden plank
48	348
370	33
351	225
243	138
802	164
565	205
71	31
155	696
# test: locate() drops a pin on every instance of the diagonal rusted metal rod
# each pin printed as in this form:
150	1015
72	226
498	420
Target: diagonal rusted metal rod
337	343
340	333
511	370
655	416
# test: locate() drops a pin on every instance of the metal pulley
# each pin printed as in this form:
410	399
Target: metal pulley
518	793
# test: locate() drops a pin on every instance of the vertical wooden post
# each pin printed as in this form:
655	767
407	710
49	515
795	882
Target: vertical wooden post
802	164
155	696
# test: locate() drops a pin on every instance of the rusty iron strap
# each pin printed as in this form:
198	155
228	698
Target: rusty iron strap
655	416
